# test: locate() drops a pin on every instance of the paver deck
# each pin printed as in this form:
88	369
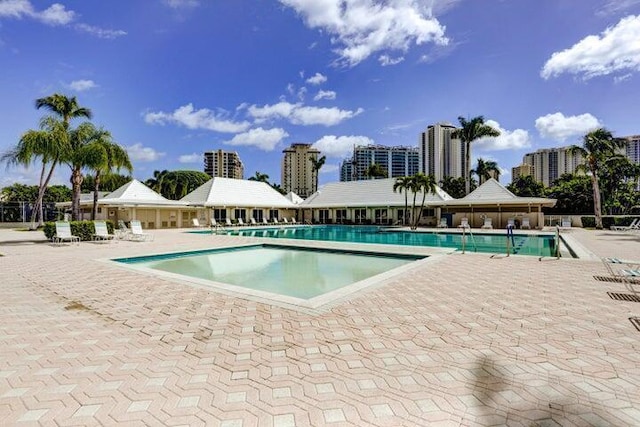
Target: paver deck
468	340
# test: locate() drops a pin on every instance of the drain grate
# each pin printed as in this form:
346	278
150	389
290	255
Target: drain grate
624	297
612	279
635	321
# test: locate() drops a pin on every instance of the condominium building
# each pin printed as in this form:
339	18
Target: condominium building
551	163
522	170
632	150
298	173
396	161
225	164
440	154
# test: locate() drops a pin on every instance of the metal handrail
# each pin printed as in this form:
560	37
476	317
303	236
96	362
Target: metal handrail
473	239
557	238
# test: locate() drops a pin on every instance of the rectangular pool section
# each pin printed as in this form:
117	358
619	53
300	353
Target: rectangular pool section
290	271
522	244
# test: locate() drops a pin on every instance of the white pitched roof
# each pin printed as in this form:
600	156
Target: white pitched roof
237	193
491	192
375	192
294	197
136	193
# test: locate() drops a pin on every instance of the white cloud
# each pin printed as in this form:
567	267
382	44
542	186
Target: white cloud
316	79
363	27
182	4
197	119
143	154
386	60
82	85
101	33
191	158
615	50
508	139
306	116
620	79
340	146
558	127
324	94
612	7
264	139
56	14
301	115
327	168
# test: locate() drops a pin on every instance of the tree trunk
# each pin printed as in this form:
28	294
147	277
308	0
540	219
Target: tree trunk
466	171
94	209
597	207
424	196
406	208
39	206
413	213
76	183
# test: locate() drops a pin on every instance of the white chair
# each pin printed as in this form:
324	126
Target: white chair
511	223
525	224
101	232
241	222
443	223
252	221
632	226
265	221
228	222
464	223
213	223
275	220
566	222
137	234
63	233
196	223
285	221
488	223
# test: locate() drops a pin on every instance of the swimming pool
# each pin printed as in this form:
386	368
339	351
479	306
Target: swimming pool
523	244
301	273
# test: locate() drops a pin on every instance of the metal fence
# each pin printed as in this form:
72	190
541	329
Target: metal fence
21	211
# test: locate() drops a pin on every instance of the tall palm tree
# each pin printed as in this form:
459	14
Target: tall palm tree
114	158
65	107
403	183
316	164
424	184
260	177
485	170
469	131
597	147
155	183
47	144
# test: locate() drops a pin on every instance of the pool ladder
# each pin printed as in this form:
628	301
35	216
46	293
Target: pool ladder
473	240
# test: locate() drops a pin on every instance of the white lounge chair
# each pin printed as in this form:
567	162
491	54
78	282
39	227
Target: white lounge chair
443	223
526	225
137	234
511	223
101	232
464	223
285	221
252	221
633	226
566	222
213	223
63	233
488	223
611	264
293	220
275	220
196	223
265	221
123	231
227	222
241	222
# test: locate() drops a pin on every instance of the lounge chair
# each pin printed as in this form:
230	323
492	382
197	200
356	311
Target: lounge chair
525	224
227	222
464	223
443	223
252	221
488	224
101	233
137	234
511	223
275	220
566	222
285	221
293	220
123	231
633	226
612	264
196	223
213	223
63	233
265	221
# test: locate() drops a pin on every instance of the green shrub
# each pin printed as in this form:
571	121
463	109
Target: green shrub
83	229
588	221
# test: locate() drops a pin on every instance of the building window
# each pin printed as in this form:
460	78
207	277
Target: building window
323	215
258	215
273	213
220	214
381	216
341	215
359	215
241	213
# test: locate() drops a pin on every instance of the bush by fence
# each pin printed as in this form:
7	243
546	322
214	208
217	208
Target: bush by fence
83	229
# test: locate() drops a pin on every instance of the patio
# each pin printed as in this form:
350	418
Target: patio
464	340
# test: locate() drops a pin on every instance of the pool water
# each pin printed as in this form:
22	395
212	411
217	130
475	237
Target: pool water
523	244
296	272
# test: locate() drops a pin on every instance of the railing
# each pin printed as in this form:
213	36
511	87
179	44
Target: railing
512	241
473	240
557	240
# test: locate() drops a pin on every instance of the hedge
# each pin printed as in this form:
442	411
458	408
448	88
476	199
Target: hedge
608	221
83	229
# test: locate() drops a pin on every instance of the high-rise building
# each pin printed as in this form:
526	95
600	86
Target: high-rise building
632	150
522	170
551	163
225	164
440	154
298	173
396	161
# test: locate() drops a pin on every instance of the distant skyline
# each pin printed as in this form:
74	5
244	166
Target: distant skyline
172	79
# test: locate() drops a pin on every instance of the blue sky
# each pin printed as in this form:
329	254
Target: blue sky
173	78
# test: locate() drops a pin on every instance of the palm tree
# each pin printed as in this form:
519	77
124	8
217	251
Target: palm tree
155	183
485	170
316	165
260	177
403	183
424	184
114	158
597	147
376	171
469	131
46	144
65	107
